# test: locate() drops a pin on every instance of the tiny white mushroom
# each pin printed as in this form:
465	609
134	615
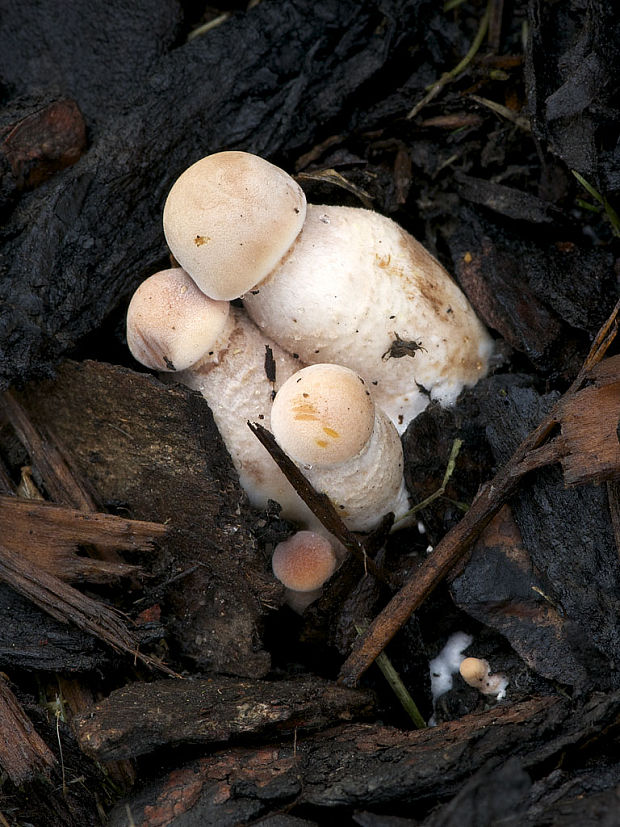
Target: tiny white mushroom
172	324
303	563
325	419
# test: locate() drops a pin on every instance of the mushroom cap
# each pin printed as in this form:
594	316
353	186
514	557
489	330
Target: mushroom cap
323	415
229	219
304	561
474	671
170	323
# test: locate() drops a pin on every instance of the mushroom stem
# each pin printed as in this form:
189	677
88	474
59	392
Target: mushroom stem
172	324
235	384
325	419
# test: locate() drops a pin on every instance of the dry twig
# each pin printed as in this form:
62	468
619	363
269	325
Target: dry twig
536	451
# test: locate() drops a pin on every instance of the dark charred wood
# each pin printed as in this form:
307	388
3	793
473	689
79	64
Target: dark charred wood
82	243
141	718
570	65
532	292
32	640
509	202
92	54
379	768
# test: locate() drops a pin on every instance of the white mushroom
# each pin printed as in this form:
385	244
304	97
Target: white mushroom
171	324
325	419
352	288
358	290
229	219
303	563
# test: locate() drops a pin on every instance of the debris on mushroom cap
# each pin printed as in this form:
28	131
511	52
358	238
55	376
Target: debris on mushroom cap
346	446
304	561
229	219
170	323
323	415
475	672
358	290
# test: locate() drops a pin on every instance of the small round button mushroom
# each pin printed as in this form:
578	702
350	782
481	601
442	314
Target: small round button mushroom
325	419
475	672
229	219
172	324
303	563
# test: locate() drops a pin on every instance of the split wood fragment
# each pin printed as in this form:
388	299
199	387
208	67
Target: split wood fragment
45	453
23	753
68	605
48	535
534	452
139	718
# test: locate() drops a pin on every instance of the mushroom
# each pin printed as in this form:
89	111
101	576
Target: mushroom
352	288
215	349
171	325
475	672
229	219
303	563
325	419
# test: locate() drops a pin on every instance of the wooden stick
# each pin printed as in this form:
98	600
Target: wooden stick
23	753
455	544
320	504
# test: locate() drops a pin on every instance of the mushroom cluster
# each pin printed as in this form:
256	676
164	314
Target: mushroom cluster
348	327
331	284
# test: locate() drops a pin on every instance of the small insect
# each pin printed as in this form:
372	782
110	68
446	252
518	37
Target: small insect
270	369
402	347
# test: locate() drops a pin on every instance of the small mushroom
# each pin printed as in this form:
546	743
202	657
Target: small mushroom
325	419
229	219
475	672
171	324
303	563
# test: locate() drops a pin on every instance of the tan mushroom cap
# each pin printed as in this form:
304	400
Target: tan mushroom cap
474	671
304	561
229	219
323	415
170	324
